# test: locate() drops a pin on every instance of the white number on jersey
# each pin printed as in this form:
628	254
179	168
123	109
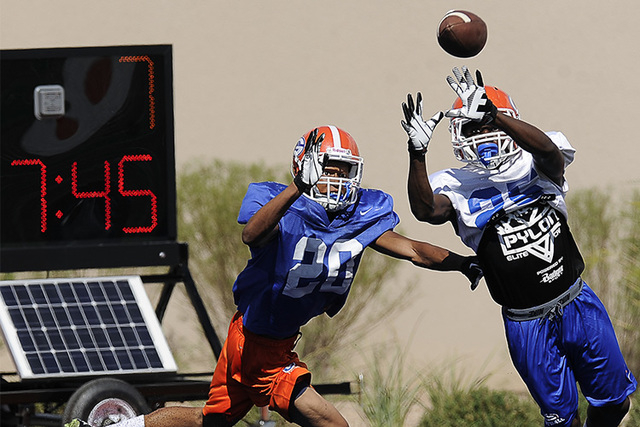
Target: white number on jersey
308	272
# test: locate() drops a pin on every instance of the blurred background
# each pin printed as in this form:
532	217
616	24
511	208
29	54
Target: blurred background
251	76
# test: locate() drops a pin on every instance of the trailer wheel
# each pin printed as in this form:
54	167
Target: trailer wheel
105	401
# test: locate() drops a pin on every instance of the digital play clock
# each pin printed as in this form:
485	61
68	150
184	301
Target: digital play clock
87	174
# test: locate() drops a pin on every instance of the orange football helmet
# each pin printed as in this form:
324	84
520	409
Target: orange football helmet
487	150
338	145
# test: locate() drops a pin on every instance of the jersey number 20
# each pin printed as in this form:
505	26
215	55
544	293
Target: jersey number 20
311	254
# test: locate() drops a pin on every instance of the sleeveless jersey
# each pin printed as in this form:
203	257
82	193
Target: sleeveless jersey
514	218
308	268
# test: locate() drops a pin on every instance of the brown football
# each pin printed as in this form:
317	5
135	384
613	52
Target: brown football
462	34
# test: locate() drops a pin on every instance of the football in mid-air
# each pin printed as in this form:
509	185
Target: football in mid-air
462	34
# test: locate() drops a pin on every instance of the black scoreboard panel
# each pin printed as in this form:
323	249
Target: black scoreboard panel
82	326
87	174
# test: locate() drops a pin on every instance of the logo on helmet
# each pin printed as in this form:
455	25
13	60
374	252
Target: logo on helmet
299	148
338	151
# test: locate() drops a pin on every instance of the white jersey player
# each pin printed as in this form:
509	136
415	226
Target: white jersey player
507	204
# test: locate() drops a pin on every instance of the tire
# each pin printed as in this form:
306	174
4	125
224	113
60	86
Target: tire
105	401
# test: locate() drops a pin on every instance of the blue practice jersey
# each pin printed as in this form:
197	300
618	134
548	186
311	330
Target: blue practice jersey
308	268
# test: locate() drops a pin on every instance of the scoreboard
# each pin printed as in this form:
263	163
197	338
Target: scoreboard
87	167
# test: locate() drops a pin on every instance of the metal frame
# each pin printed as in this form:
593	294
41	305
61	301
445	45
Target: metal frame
84	256
180	273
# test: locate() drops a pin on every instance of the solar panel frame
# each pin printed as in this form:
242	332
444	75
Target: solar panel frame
68	327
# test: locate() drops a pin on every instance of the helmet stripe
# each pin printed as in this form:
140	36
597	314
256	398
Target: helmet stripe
335	135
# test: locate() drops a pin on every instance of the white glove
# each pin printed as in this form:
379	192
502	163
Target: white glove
312	165
418	130
475	104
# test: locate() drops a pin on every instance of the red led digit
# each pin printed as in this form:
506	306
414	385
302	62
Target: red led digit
94	194
138	193
151	78
43	187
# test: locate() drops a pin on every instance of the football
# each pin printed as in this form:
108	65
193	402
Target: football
462	34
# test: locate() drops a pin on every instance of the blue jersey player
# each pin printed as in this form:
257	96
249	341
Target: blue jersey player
305	252
306	241
507	204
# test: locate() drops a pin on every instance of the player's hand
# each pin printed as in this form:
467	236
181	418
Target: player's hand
476	105
418	130
312	164
471	268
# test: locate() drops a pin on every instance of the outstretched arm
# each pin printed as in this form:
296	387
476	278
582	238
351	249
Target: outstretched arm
429	256
425	205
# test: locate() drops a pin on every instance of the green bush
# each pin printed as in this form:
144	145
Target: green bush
607	230
633	418
388	391
480	407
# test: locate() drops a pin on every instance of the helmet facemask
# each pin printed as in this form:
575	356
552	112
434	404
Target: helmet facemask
488	150
336	193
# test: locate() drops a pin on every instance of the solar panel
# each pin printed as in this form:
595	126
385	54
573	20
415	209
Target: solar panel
82	326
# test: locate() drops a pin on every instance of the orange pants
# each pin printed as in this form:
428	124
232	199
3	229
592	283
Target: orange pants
254	370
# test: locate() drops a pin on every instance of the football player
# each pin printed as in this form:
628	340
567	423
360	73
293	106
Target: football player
306	241
508	204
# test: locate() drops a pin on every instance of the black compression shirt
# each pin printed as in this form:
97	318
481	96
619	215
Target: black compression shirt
529	256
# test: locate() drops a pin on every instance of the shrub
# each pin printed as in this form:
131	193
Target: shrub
479	406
